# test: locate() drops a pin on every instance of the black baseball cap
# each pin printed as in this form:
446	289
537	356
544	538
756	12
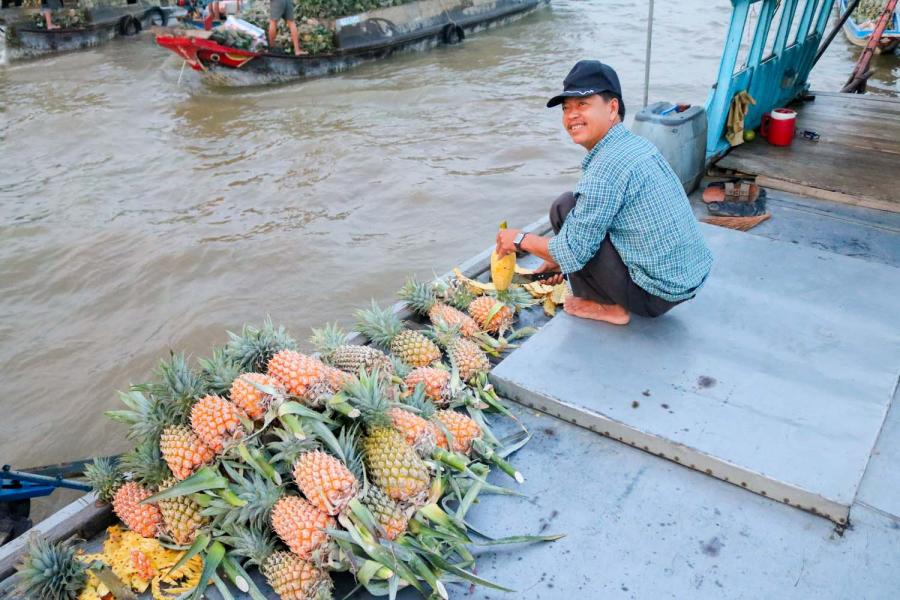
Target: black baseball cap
589	77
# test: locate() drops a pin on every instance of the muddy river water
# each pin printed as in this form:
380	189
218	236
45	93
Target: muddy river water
139	215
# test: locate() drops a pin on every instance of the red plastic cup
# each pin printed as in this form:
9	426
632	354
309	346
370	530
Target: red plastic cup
778	127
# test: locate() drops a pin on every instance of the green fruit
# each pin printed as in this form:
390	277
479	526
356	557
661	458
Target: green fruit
749	135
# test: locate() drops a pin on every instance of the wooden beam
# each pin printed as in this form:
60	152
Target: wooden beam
812	192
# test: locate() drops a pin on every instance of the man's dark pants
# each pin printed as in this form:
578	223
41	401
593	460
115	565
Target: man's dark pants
605	277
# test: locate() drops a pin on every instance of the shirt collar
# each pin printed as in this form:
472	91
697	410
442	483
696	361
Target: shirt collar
615	132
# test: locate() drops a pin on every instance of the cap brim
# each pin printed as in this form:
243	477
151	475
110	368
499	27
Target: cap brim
557	100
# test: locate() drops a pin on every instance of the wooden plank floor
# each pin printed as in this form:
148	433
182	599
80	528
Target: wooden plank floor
856	161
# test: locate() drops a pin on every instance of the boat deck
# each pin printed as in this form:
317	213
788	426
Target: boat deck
854	161
639	526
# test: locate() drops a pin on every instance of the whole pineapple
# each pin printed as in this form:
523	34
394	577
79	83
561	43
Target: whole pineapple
465	356
392	463
331	343
436	383
253	348
248	397
336	379
302	376
301	526
143	519
181	515
183	451
325	481
126	497
216	422
291	577
463	429
491	315
418	432
390	516
421	298
385	329
50	571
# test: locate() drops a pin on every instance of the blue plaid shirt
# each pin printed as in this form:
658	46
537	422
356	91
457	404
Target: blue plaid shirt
629	191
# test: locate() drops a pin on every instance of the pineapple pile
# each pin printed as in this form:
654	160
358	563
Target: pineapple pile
303	465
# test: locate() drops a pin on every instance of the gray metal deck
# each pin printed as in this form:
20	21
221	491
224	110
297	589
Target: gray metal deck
776	378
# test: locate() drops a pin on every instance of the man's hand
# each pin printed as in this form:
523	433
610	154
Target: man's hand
548	266
505	239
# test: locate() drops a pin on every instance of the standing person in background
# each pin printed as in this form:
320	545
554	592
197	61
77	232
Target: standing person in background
47	8
283	9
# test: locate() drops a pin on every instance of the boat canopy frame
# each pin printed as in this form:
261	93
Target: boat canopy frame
773	80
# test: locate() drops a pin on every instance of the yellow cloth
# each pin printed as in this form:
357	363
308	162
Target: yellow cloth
734	125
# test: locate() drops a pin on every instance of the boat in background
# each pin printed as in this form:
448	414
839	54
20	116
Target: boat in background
358	38
858	30
26	37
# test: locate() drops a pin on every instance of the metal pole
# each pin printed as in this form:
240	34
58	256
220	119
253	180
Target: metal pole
834	32
647	57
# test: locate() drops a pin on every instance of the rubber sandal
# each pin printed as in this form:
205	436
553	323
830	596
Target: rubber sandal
737	190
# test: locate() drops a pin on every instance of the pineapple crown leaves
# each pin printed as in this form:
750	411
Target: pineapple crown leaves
328	339
146	415
253	542
443	333
219	371
348	440
516	297
257	493
458	296
50	571
180	384
287	448
145	465
103	475
365	393
378	324
420	403
401	369
253	348
418	296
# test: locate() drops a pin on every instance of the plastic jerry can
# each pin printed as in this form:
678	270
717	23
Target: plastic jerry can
679	136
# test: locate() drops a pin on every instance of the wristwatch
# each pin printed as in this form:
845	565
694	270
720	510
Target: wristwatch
517	242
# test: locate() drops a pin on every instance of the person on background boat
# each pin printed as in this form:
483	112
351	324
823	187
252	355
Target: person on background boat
283	9
47	8
626	238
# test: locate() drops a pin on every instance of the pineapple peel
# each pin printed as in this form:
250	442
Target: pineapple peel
550	295
559	293
476	287
119	553
523	271
537	289
549	306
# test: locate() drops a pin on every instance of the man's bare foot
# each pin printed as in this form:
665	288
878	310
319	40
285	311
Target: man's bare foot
588	309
